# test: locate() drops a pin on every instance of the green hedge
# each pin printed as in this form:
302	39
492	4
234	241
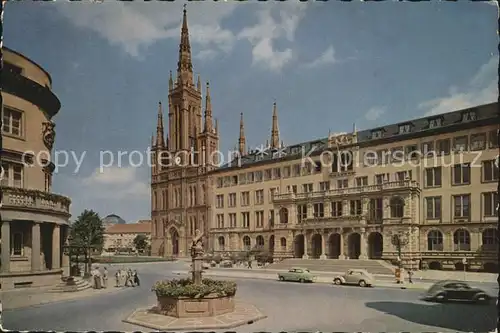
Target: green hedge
134	259
186	288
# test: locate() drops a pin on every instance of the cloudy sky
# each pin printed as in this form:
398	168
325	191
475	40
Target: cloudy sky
327	65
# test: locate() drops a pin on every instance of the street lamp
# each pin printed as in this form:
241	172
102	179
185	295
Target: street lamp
400	240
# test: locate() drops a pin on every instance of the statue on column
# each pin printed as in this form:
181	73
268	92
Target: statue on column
197	244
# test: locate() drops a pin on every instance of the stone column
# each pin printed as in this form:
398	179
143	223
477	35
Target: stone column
56	247
5	246
64	256
341	245
305	256
363	250
35	246
323	246
345	208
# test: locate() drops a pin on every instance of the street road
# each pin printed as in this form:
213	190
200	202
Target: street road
290	307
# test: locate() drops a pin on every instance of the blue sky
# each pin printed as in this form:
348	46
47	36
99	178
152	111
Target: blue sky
327	65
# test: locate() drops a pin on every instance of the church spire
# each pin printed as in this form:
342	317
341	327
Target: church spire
160	140
185	66
275	135
170	82
208	110
241	140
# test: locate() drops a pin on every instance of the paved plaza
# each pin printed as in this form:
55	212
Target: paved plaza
288	306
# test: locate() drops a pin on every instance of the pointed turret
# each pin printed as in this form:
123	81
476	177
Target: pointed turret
170	82
275	135
198	85
217	126
185	66
208	111
160	140
152	140
241	140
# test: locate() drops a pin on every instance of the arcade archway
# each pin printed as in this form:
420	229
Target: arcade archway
316	246
334	246
375	245
298	246
354	245
271	244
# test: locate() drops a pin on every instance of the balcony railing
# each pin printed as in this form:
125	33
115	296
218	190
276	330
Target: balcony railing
397	185
20	198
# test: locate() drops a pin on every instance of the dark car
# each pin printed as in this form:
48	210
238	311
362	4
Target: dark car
449	290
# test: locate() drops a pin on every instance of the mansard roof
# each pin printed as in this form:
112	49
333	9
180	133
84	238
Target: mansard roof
482	115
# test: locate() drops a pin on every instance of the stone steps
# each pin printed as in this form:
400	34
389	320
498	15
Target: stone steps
335	265
79	285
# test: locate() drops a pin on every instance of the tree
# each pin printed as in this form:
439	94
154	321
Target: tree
140	242
87	232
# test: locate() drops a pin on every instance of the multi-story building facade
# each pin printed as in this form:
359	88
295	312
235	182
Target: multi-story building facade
120	237
34	220
422	192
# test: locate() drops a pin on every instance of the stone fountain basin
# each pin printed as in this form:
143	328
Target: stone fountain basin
185	307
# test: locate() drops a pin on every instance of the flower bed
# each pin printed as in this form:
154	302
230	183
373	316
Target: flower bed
182	299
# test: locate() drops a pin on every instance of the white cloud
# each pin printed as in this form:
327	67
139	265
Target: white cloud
134	25
267	30
116	183
374	113
206	54
481	89
326	58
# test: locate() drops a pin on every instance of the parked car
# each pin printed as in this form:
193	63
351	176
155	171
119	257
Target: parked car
358	277
451	290
226	264
297	274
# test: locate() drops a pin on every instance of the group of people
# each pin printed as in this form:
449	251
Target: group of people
127	278
99	279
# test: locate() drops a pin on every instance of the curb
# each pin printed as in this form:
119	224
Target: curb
69	299
395	286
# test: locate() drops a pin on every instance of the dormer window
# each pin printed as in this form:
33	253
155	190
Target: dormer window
404	129
436	122
377	134
468	116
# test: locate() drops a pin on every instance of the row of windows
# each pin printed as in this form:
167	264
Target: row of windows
231	222
161	202
405	128
459	144
461	174
375	210
344	161
462	206
247	243
461	240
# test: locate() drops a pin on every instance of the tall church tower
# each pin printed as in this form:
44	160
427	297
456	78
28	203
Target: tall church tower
179	182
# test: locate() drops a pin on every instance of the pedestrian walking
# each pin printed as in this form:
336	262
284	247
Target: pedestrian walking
249	263
105	278
136	278
410	274
117	278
